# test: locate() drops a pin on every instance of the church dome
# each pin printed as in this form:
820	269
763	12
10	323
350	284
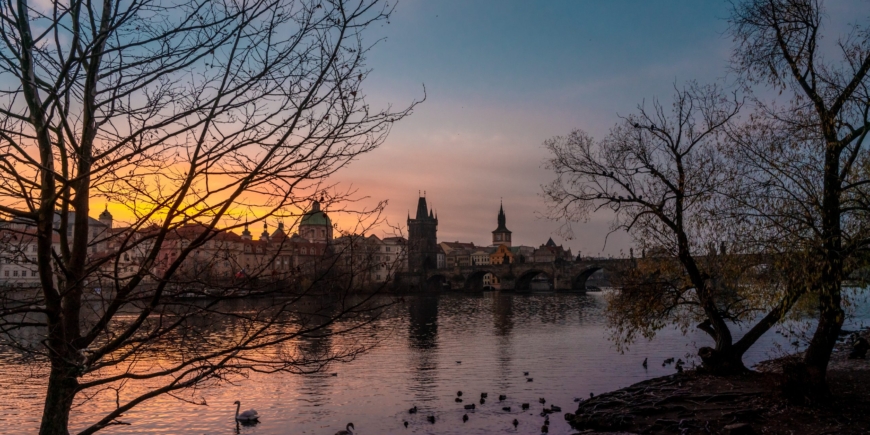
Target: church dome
105	214
315	216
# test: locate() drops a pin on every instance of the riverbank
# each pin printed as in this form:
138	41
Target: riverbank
695	403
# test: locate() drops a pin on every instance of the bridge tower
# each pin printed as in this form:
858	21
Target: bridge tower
501	235
422	239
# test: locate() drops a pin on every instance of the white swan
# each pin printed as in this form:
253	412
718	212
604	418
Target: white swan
348	430
249	415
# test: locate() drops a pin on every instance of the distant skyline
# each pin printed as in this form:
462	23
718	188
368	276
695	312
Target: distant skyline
503	76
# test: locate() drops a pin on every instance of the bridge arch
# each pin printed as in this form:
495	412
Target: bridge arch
475	280
526	280
579	281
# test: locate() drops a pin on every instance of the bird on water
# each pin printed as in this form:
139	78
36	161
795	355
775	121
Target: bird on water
348	430
246	416
464	418
516	423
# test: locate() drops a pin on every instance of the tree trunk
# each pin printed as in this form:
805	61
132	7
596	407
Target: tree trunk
805	382
61	390
728	361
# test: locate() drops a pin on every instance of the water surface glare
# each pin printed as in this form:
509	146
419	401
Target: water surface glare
439	345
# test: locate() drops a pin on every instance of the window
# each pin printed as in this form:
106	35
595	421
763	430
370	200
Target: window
5	273
378	277
388	249
14	273
32	273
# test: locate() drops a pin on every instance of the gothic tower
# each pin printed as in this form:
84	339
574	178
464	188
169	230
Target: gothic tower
501	235
422	239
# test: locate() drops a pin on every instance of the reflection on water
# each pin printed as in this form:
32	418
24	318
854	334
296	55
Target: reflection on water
422	338
433	346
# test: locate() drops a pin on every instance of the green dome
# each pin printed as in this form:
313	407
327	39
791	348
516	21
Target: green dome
315	216
105	214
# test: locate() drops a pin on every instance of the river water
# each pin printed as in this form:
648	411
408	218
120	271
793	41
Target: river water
434	347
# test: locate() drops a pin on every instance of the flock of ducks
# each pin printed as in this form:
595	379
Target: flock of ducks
252	417
545	412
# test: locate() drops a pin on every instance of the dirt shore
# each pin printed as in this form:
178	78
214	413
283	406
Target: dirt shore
695	403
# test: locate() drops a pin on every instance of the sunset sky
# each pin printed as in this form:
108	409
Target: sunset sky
503	76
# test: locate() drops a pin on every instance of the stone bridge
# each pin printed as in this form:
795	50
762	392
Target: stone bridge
559	276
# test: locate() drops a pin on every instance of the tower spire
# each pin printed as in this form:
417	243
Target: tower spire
265	235
501	235
422	208
246	234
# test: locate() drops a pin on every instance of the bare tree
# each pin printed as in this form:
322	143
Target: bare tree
807	154
183	112
661	174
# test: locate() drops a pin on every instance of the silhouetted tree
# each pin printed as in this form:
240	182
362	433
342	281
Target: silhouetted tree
181	112
805	156
661	173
